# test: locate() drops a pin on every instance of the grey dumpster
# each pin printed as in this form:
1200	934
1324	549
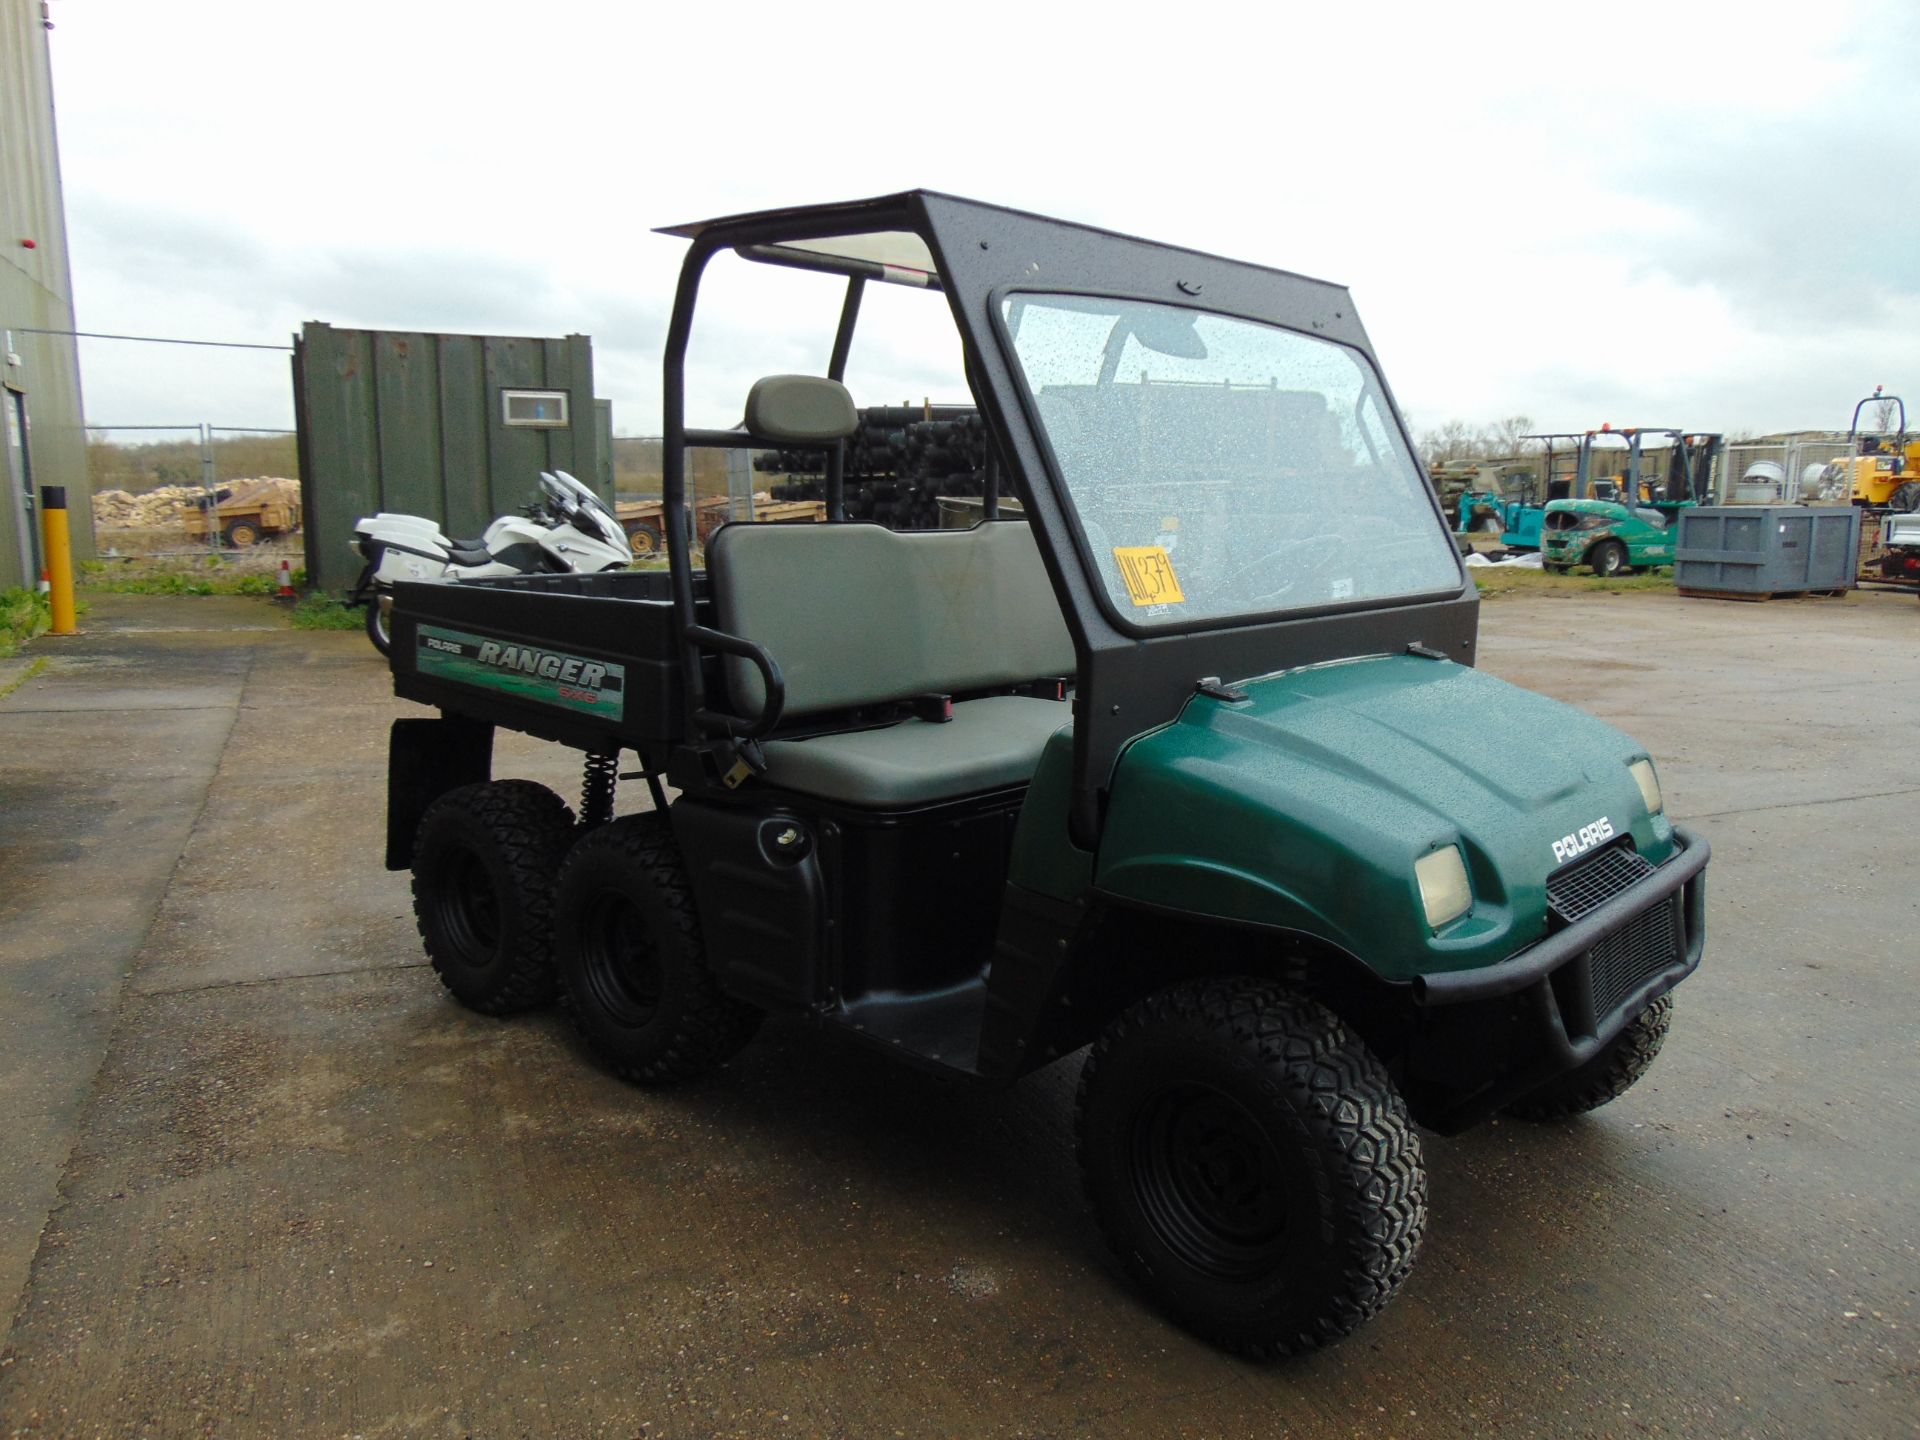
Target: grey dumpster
1762	550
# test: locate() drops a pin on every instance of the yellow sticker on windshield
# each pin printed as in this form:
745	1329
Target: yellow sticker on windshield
1148	571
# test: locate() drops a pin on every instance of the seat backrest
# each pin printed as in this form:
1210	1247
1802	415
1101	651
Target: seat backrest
858	614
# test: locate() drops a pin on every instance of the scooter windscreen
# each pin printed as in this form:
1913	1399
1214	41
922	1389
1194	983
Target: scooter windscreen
587	510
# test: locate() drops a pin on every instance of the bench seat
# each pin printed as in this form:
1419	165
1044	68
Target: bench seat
989	744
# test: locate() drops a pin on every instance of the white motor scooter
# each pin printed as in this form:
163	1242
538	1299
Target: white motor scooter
571	531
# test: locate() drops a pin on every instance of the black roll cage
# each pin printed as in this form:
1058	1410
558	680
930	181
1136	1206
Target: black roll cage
1128	681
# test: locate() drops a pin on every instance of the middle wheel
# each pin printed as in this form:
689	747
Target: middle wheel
627	942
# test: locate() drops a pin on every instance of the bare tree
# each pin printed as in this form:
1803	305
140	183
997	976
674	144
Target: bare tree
1504	437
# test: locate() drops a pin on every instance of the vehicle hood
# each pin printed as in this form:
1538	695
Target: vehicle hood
1611	509
1307	804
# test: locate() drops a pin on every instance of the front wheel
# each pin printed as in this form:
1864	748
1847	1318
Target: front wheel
1608	1076
1608	558
380	621
1251	1164
1905	498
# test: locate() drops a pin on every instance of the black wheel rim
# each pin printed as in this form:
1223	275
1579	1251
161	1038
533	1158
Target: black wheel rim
1211	1182
468	909
619	962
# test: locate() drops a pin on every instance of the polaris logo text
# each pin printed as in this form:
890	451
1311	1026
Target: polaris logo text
567	669
1582	840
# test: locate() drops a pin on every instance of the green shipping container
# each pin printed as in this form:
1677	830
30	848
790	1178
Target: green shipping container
452	427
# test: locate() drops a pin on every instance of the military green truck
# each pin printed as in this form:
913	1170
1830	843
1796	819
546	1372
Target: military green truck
1191	765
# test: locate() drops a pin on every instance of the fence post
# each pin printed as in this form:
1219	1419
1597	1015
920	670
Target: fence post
208	484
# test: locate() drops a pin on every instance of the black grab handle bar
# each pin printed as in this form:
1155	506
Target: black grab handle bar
772	704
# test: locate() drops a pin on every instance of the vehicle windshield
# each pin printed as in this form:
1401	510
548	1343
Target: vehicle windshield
1220	467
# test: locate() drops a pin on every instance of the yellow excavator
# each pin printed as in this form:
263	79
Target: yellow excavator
1881	470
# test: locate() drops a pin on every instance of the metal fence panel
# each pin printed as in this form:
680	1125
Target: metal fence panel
412	422
1776	472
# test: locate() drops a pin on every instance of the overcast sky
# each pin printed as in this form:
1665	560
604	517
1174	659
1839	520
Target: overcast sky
1697	215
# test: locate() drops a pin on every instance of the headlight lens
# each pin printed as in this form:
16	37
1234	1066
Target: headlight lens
1649	785
1443	885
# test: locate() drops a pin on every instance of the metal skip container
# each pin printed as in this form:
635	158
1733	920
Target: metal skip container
1756	551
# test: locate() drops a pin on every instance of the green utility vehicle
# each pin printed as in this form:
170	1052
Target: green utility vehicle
1635	482
1190	765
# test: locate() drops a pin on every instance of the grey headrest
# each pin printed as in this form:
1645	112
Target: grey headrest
800	410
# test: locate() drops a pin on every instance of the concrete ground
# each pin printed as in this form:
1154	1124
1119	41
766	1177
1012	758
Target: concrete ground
259	1177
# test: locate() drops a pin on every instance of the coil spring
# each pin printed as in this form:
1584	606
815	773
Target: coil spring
597	789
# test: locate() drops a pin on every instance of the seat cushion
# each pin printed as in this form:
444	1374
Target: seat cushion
855	614
989	744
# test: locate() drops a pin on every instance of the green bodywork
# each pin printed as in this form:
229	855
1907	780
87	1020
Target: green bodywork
1305	806
1647	544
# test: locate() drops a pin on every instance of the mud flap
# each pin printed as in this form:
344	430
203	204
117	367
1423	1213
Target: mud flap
425	759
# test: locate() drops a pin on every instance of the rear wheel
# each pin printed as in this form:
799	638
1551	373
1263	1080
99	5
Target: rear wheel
1609	557
1251	1164
644	539
631	957
1607	1076
241	534
1905	498
484	864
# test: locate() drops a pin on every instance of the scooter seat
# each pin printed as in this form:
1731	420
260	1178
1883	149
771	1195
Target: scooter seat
468	552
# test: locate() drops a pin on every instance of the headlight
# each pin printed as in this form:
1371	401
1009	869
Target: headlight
1443	885
1649	785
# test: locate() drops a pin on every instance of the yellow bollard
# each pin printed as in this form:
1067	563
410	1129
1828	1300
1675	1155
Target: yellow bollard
59	557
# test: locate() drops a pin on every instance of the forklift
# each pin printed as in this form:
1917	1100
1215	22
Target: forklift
1625	519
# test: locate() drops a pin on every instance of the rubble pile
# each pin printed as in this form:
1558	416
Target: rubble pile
124	510
166	505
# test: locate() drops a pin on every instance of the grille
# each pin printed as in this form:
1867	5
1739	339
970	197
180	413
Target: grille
1586	885
1633	954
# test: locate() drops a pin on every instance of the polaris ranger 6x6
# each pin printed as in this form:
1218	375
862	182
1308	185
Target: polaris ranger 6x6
1189	763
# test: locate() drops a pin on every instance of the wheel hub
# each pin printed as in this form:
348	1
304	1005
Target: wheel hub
621	965
469	909
1211	1181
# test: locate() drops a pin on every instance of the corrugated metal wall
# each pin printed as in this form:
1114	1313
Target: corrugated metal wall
413	423
36	290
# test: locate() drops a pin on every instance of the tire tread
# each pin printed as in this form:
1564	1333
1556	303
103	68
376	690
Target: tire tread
1357	1117
711	1026
1607	1076
532	827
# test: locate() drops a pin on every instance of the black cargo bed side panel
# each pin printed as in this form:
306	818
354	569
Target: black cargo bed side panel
614	621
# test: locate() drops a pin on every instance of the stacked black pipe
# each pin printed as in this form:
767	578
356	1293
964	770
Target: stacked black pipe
899	463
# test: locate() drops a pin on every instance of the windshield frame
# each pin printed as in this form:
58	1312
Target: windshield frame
997	304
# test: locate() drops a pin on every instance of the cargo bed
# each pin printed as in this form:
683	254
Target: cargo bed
588	661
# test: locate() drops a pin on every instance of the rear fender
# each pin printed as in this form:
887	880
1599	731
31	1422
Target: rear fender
425	759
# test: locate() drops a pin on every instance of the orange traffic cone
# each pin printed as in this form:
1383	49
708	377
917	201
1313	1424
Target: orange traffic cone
286	580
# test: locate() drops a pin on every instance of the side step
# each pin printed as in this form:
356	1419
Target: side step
939	1030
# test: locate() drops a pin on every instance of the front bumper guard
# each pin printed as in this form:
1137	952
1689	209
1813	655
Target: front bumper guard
1563	1021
